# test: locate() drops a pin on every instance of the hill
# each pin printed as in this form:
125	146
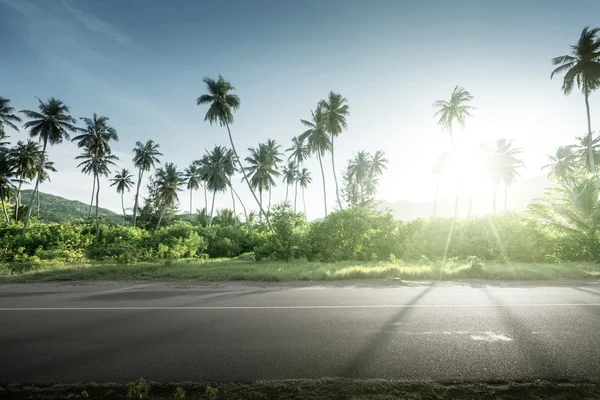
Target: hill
58	209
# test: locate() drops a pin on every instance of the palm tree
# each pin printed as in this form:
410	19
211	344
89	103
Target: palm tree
231	169
457	109
438	170
98	164
201	163
145	157
583	67
581	152
52	123
45	176
123	181
289	176
7	116
7	177
362	176
562	164
503	163
168	182
298	153
262	170
318	141
336	112
304	179
222	105
193	179
218	167
273	155
25	158
95	140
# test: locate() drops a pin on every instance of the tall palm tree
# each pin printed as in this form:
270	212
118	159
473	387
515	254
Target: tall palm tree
289	176
438	170
457	109
123	180
298	153
336	111
304	179
216	172
581	152
362	176
231	169
318	141
45	176
98	164
582	66
503	164
7	177
52	124
145	157
7	116
273	154
25	158
95	140
168	183
562	164
222	105
193	179
261	170
201	164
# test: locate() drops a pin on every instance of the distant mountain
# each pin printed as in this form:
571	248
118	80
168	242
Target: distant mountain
58	209
519	196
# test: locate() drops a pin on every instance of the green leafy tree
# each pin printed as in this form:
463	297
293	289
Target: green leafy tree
304	179
336	110
193	180
438	170
298	153
562	165
218	168
7	178
318	141
123	180
51	124
24	156
145	157
262	169
168	182
7	116
222	103
456	110
582	66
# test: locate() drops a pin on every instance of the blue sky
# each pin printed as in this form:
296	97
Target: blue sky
141	63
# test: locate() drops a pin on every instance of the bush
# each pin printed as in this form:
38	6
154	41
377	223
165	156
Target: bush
288	239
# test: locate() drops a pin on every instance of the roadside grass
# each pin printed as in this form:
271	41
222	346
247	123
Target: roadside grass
248	270
319	389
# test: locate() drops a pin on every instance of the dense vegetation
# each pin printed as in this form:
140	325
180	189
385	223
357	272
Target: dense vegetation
564	226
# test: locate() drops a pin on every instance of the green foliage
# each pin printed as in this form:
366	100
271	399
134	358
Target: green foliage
288	239
179	394
139	390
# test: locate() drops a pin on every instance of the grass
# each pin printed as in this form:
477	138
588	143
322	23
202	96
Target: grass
247	270
318	389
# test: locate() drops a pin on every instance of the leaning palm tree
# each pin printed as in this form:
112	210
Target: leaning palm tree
145	157
304	179
457	109
7	116
168	183
222	105
193	179
24	156
261	170
7	179
216	172
438	170
318	141
582	66
336	110
123	181
95	140
562	164
289	176
231	168
52	124
298	153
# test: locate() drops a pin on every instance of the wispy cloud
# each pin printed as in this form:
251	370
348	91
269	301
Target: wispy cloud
96	24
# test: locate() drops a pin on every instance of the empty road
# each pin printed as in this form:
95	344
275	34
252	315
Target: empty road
176	332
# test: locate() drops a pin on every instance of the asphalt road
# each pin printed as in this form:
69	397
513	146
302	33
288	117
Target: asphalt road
176	332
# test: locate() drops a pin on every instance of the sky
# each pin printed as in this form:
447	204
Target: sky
141	63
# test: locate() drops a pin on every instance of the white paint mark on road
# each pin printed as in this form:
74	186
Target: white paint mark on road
330	307
491	337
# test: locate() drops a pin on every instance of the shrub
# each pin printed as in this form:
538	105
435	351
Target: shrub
288	239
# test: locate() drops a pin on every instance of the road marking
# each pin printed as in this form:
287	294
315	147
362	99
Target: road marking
125	288
202	308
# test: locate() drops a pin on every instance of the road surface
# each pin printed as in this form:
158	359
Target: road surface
176	332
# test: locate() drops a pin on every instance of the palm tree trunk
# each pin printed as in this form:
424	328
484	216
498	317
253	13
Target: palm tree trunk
35	189
123	204
232	200
260	204
337	191
494	198
137	193
212	207
589	123
245	176
295	195
303	201
5	212
190	201
18	199
437	189
92	199
97	217
205	199
269	206
287	188
38	204
240	200
323	177
470	205
162	213
505	198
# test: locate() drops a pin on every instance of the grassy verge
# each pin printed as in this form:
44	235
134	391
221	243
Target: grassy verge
233	269
315	389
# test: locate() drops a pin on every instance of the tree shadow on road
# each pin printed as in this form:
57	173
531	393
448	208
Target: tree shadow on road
362	359
585	290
